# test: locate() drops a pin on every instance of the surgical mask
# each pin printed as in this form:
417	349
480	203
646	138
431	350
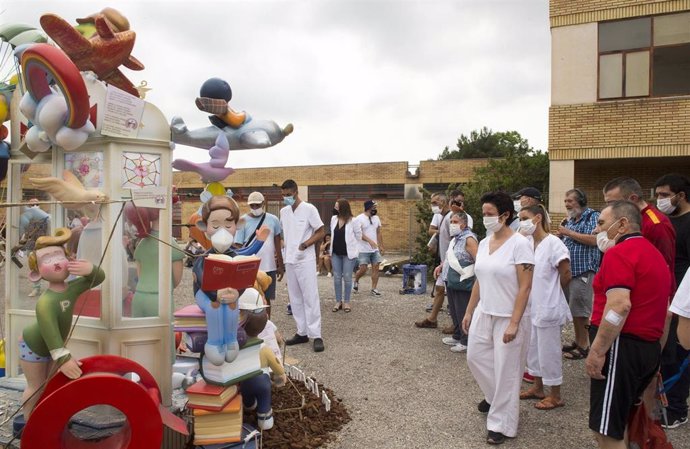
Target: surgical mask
335	211
527	227
603	241
289	200
257	212
373	212
665	205
435	210
454	229
492	224
222	240
517	206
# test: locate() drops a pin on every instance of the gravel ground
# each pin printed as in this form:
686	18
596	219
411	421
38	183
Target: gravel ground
404	388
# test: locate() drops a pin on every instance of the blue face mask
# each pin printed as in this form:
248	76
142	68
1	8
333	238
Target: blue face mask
289	200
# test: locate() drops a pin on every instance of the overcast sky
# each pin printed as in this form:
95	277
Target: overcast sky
362	81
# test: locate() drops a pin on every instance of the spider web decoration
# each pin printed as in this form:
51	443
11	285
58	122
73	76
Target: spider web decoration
141	170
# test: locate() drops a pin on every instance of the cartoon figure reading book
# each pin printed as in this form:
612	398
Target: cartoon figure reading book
44	340
219	217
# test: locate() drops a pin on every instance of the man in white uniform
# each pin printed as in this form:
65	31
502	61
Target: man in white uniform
370	246
302	228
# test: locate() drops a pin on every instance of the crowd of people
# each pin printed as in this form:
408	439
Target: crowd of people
618	274
612	273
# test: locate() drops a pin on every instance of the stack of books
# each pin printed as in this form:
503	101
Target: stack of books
190	319
245	366
217	413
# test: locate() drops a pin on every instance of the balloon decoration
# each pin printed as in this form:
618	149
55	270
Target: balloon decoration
102	54
241	131
214	170
57	119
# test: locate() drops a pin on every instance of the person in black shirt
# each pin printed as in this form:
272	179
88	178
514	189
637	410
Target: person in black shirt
346	233
673	199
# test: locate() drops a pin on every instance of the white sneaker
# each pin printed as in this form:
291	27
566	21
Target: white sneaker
375	292
450	341
458	348
330	275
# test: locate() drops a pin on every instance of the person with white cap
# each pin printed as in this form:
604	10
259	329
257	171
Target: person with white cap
370	245
270	254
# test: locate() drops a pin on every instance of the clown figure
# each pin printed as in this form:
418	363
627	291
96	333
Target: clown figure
219	217
43	342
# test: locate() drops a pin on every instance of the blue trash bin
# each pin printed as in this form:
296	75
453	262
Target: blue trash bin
414	279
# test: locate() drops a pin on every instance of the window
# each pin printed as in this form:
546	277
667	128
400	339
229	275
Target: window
642	57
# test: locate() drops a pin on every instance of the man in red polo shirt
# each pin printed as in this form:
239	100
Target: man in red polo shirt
631	292
656	227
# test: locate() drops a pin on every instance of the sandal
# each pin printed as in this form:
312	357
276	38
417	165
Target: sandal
548	403
347	308
426	324
338	306
577	354
531	394
569	348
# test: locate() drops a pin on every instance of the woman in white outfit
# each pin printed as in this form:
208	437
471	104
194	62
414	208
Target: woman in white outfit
346	233
495	321
549	310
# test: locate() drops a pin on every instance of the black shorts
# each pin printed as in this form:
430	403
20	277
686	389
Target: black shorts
271	290
630	365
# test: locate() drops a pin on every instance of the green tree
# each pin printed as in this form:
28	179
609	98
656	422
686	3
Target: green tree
487	144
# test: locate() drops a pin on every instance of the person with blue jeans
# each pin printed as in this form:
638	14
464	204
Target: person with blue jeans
345	233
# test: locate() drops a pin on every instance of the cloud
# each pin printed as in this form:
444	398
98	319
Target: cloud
376	80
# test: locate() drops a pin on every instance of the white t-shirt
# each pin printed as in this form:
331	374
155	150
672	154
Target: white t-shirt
548	306
268	335
369	228
436	220
497	275
681	301
298	227
267	253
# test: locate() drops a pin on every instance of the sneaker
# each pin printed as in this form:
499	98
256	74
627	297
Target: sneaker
297	340
527	377
458	348
429	307
375	292
450	341
355	287
318	345
674	423
483	406
329	275
289	309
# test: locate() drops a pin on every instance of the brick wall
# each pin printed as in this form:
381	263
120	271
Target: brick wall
591	176
571	12
633	128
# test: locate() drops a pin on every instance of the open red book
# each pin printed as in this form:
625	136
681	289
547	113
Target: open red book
222	271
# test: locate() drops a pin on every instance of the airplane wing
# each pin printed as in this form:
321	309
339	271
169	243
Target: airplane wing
117	79
65	35
133	63
255	139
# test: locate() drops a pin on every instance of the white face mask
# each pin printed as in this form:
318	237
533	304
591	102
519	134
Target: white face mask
603	241
517	206
665	205
222	240
454	228
527	227
435	210
257	212
492	224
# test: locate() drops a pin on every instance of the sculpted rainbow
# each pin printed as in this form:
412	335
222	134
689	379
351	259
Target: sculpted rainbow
42	64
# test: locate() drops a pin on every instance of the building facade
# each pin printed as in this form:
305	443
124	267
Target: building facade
620	94
393	185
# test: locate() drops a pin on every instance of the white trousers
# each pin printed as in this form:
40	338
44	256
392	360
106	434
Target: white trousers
304	297
497	367
544	357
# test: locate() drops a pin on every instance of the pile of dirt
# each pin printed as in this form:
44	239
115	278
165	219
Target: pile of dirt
308	427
